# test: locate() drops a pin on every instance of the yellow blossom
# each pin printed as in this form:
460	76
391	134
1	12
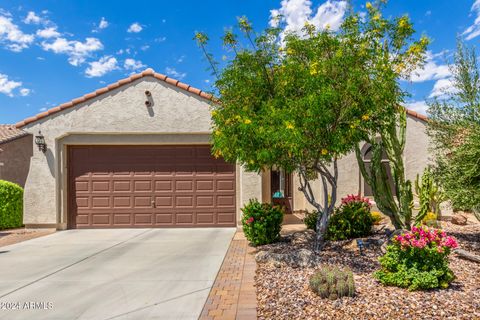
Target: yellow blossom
353	126
217	132
403	22
314	68
247	121
214	113
217	154
238	117
365	117
369	6
290	51
324	152
251	162
376	17
290	126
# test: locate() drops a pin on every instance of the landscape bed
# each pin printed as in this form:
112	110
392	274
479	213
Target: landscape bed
283	290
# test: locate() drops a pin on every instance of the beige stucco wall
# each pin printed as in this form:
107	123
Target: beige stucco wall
15	159
117	117
416	159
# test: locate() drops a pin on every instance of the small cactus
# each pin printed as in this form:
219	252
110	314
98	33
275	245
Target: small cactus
333	283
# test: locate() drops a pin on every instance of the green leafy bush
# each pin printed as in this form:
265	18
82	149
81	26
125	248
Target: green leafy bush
310	220
418	260
351	220
261	222
11	205
333	283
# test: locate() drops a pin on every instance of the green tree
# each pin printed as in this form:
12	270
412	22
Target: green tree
455	131
303	103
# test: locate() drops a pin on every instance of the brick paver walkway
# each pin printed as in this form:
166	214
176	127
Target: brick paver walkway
233	294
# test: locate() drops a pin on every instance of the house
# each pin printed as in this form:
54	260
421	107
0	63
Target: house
137	154
15	153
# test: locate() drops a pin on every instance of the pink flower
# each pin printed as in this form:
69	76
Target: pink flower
250	220
450	242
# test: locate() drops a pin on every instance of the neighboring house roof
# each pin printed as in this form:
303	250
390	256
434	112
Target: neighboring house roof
9	132
120	83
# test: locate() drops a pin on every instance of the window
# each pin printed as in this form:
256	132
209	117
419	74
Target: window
367	159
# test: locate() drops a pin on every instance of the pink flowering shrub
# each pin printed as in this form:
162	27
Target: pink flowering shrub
418	260
261	222
351	220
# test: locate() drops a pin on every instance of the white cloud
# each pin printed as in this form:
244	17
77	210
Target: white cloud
432	70
160	39
135	28
32	18
8	86
103	23
418	106
293	14
145	47
442	87
24	92
101	67
174	73
43	109
12	36
50	32
474	30
132	64
77	51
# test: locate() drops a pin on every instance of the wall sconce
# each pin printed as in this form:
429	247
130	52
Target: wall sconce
40	142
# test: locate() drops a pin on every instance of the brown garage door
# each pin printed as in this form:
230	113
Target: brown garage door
149	186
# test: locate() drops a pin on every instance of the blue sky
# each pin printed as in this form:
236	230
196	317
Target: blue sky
54	51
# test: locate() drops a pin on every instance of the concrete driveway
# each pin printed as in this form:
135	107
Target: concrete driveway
112	274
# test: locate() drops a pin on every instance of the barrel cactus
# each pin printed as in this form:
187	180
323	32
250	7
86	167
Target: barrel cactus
333	282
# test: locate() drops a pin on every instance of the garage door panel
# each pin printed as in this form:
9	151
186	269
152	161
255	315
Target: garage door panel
164	186
149	186
122	219
143	219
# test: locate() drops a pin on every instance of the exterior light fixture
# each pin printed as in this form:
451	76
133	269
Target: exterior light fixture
148	93
40	142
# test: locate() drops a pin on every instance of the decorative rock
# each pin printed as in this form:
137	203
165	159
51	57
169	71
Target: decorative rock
459	219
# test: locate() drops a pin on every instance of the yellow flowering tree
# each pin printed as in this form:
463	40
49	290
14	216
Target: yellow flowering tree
301	103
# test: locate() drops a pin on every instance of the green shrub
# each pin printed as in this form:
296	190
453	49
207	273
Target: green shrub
333	283
418	260
310	220
11	205
261	222
351	220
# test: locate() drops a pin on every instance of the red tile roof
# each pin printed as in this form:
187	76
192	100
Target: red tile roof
9	132
147	72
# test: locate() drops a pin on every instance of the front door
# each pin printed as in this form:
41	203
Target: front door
281	189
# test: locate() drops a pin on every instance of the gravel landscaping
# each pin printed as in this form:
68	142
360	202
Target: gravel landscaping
283	283
12	236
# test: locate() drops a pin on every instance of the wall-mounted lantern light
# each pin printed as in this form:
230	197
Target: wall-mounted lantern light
40	142
148	102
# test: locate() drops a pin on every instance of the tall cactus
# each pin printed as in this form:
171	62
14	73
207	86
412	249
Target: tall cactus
396	204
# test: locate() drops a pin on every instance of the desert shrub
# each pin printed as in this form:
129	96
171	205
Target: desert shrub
333	283
377	217
418	260
261	222
351	220
310	220
11	205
